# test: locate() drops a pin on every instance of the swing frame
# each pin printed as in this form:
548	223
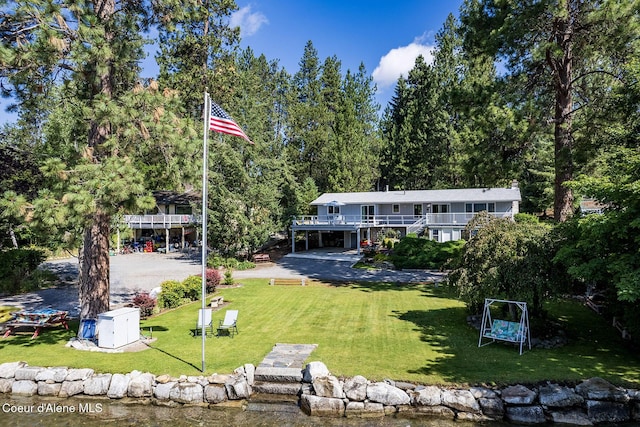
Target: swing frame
504	330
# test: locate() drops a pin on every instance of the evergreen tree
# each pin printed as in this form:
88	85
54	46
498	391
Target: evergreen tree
110	137
555	47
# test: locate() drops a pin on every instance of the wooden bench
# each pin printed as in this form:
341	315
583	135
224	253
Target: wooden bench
217	301
261	258
38	320
296	282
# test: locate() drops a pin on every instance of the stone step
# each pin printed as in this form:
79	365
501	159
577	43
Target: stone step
278	375
273	406
277	388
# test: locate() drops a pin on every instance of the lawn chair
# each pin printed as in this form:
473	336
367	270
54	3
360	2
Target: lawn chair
204	323
228	325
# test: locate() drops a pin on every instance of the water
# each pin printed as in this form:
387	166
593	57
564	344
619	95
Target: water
51	412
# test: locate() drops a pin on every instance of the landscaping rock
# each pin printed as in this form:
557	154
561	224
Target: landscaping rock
238	388
556	396
8	370
24	387
518	395
328	386
599	389
571	417
249	372
322	406
189	393
163	391
71	388
28	373
364	410
635	411
140	385
480	392
387	394
97	385
313	370
48	388
355	388
525	414
163	379
461	400
493	408
215	393
427	411
607	412
6	384
57	375
118	387
79	374
426	396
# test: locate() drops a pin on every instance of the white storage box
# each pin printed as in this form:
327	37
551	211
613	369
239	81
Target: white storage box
119	327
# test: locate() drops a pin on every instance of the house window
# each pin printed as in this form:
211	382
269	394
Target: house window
395	208
183	210
417	210
479	207
440	208
435	235
334	209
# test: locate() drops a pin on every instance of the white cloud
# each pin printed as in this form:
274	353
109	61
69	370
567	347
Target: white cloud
399	61
248	22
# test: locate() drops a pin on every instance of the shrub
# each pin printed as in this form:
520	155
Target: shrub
172	294
146	304
216	261
213	280
17	268
245	265
418	252
525	217
192	287
228	277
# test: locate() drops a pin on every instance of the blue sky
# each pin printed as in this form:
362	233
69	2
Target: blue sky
386	36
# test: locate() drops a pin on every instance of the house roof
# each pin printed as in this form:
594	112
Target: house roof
422	196
165	197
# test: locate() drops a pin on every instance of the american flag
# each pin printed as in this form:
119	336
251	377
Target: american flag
220	121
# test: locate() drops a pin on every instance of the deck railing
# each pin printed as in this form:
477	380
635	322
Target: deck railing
160	221
391	220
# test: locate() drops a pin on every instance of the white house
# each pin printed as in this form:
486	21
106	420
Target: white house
345	219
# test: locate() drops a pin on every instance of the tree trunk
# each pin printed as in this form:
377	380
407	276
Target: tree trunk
563	139
94	254
94	267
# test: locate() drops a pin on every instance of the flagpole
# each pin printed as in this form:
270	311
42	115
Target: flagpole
205	181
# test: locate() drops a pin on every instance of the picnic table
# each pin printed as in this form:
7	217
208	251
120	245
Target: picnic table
37	319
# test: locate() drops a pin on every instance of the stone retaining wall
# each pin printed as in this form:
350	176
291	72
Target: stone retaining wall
593	401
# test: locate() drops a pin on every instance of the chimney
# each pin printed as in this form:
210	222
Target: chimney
386	188
514	184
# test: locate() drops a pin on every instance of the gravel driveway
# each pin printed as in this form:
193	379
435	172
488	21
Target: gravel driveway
137	272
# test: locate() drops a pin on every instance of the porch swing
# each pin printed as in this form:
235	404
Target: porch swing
504	330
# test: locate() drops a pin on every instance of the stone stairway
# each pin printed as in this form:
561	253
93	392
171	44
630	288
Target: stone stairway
278	378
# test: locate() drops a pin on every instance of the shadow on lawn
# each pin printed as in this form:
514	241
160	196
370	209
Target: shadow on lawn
429	290
48	336
457	357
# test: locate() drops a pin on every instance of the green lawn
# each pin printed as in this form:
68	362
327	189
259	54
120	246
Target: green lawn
414	332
